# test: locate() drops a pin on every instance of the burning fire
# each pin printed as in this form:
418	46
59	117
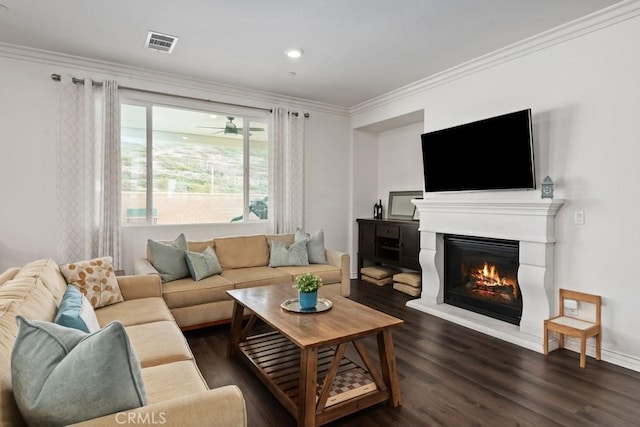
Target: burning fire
488	278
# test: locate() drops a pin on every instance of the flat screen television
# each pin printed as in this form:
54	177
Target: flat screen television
489	154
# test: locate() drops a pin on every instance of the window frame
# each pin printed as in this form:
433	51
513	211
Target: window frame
248	116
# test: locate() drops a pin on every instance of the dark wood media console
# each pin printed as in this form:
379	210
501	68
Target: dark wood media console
392	242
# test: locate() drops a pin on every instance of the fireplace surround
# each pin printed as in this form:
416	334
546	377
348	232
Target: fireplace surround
522	218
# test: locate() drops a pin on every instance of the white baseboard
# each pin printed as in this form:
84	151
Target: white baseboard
613	357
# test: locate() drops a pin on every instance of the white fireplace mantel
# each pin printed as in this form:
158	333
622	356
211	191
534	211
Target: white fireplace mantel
529	221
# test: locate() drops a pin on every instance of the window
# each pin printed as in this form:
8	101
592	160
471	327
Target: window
187	166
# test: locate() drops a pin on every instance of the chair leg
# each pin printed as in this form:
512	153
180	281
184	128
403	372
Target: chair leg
546	340
583	351
598	345
560	340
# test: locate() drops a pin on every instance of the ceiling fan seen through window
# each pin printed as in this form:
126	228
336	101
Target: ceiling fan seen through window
231	128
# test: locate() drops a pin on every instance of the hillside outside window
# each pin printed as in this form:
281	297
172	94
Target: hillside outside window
187	166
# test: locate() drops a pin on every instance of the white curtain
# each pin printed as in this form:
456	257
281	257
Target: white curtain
88	171
286	171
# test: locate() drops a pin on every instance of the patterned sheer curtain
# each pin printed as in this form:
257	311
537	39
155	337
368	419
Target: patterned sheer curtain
88	171
286	171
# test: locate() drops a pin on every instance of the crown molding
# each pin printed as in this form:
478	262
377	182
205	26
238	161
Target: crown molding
588	24
180	83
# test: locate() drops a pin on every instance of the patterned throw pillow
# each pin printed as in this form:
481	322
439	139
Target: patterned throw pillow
283	255
96	280
203	264
315	245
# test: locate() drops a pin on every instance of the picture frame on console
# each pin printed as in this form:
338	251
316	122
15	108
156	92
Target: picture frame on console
400	206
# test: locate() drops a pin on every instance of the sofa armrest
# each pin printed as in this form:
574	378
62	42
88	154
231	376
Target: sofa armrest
142	266
223	407
341	261
134	287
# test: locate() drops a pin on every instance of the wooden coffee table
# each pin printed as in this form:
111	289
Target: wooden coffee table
300	358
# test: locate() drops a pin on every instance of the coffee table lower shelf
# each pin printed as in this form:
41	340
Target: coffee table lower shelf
276	361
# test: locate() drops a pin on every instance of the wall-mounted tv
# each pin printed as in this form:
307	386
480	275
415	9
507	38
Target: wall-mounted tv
490	154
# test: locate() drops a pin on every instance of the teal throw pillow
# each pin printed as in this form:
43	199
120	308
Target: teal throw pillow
203	264
62	376
315	245
169	258
76	311
283	255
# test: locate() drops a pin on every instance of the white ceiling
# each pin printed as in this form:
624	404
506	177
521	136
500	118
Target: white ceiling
354	49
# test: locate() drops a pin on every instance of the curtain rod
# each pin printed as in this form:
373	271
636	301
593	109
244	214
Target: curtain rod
57	78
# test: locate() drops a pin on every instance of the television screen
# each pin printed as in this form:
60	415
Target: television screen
490	154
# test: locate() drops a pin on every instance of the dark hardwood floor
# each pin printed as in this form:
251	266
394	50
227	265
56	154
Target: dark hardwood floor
452	376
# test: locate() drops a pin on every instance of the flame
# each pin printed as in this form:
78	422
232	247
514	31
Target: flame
488	276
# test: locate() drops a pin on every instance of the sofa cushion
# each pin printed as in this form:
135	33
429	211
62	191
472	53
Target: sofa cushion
242	252
32	298
295	254
257	276
49	273
186	292
172	380
96	280
328	273
86	375
315	245
169	258
145	340
287	239
9	413
134	312
199	245
203	264
9	274
75	311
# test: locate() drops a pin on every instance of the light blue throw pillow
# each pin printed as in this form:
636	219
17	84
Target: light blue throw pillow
203	264
283	255
62	376
76	311
315	245
169	258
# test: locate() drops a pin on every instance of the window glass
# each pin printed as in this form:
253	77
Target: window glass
203	166
259	167
134	163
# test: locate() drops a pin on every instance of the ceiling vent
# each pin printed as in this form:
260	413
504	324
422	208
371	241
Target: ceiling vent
160	42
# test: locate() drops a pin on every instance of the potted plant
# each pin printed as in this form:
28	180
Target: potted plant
307	285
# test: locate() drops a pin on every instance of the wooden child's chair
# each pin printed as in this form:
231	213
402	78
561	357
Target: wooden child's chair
575	327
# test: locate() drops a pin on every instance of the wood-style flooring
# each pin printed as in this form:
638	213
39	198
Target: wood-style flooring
452	376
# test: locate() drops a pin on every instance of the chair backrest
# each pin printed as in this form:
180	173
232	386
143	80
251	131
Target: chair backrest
596	300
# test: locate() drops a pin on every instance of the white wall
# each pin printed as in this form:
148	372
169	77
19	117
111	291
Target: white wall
400	161
28	106
584	94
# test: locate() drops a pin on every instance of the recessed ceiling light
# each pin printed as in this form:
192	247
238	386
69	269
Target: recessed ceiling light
294	53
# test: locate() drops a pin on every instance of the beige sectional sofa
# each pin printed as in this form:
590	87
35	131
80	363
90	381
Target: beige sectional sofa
245	263
176	391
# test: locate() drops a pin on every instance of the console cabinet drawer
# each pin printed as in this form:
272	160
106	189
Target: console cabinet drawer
390	231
